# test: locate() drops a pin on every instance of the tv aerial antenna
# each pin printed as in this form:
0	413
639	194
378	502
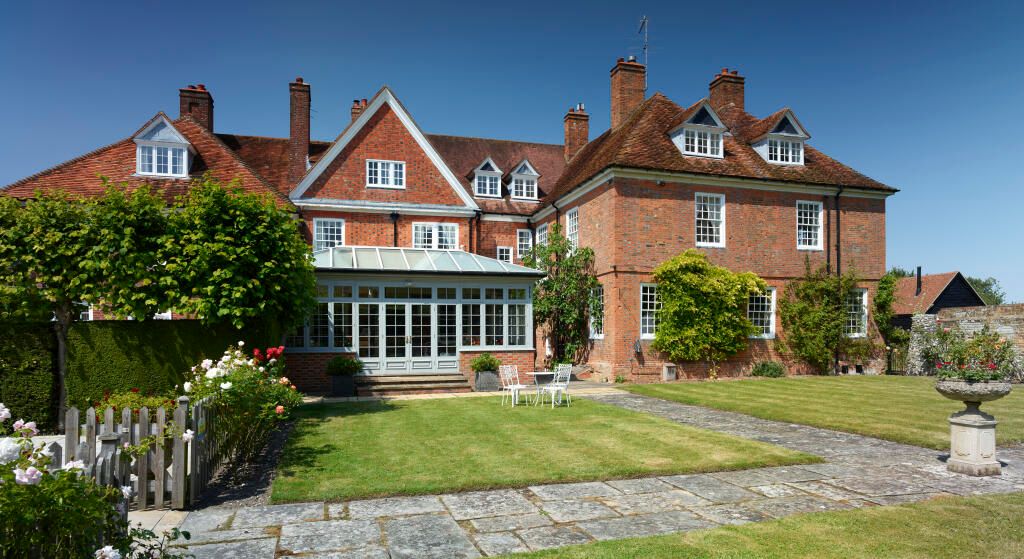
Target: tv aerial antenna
643	29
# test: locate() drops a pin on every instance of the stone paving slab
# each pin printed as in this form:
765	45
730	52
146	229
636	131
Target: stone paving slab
644	525
393	506
427	536
277	515
227	535
562	491
365	553
500	543
552	536
263	548
734	514
655	502
785	506
576	510
507	523
480	504
777	490
768	476
712	489
642	485
206	520
329	535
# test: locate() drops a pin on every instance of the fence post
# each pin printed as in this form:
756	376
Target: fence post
142	461
159	452
71	433
90	436
198	426
178	460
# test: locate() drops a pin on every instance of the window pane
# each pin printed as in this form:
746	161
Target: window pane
398	174
342	291
342	324
808	225
177	161
372	172
319	326
446	323
856	313
572	227
396	292
296	338
146	159
495	316
708	219
162	161
369	292
504	254
597	325
422	235
328	233
517	325
369	330
649	307
761	312
542	235
447	236
445	292
470	325
524	242
517	294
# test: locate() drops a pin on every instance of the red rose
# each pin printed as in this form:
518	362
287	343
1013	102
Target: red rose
135	390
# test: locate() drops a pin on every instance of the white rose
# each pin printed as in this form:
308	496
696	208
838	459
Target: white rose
213	373
187	387
10	450
75	465
225	385
5	413
107	552
272	361
207	363
241	343
187	435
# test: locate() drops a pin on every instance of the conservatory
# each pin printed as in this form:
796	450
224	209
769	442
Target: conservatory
412	311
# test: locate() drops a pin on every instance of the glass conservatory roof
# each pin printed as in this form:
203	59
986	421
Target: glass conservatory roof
414	260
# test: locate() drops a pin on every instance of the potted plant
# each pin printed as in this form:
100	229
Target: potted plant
971	370
342	370
485	373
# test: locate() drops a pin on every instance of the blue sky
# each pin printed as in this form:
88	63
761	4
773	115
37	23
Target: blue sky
925	96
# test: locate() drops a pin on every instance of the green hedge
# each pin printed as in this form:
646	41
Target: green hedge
116	356
27	364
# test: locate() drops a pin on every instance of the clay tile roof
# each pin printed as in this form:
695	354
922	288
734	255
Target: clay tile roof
269	156
464	154
932	285
765	125
116	161
642	142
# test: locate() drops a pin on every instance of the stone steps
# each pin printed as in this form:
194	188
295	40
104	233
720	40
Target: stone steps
411	384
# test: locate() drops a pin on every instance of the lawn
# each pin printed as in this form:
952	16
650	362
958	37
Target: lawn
367	449
901	409
944	528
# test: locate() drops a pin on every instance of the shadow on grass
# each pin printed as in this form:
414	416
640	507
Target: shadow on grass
312	416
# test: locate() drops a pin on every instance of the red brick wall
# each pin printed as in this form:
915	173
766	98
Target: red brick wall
497	233
525	360
384	137
368	229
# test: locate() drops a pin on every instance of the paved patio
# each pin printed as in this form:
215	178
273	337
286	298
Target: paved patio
860	471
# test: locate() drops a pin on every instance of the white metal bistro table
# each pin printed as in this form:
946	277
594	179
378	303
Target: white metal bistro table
536	381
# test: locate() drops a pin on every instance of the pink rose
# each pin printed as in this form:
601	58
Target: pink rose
279	410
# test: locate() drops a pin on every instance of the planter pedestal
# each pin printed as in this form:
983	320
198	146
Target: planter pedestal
972	434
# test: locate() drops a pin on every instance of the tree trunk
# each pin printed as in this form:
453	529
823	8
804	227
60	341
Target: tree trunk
60	326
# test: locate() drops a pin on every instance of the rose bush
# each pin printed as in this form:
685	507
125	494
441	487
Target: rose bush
55	512
252	396
985	356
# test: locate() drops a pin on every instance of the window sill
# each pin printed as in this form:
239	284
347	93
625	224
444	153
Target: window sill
599	337
385	187
709	245
647	337
704	155
491	196
518	199
160	176
810	249
768	337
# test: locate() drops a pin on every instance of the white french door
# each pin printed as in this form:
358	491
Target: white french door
408	338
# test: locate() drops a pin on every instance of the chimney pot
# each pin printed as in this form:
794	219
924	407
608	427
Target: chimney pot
298	79
201	87
628	89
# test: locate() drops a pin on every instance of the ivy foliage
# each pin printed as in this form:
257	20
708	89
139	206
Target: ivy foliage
566	299
813	314
885	298
703	309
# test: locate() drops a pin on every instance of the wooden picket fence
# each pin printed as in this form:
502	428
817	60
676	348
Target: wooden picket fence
170	475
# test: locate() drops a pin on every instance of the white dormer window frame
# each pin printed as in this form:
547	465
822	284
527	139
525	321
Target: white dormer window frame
487	183
780	147
163	157
701	139
524	182
384	173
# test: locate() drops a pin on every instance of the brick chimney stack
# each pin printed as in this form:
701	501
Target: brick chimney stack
358	106
577	130
628	77
727	89
298	133
196	101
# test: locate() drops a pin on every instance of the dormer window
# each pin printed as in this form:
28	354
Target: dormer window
161	151
524	182
701	134
487	180
784	144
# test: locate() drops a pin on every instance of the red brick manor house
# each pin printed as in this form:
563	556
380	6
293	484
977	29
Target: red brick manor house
418	237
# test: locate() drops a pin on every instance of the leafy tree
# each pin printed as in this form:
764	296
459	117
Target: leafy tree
234	257
565	299
813	313
989	290
885	298
703	309
899	272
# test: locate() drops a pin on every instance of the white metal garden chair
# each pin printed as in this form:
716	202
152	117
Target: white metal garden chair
559	386
510	384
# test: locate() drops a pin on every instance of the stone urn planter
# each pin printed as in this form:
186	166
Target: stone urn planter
972	432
